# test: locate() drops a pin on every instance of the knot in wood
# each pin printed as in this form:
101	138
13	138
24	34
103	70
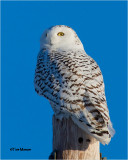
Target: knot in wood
80	140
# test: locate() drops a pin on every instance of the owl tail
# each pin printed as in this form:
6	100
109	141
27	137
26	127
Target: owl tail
111	129
104	135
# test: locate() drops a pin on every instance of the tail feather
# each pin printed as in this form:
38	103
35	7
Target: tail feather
104	135
111	129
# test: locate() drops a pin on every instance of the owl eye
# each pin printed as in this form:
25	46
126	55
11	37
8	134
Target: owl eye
60	34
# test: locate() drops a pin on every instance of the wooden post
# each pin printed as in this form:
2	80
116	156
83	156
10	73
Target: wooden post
70	142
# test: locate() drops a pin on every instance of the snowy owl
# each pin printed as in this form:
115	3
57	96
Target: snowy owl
72	82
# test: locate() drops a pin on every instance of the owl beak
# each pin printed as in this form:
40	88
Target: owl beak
51	42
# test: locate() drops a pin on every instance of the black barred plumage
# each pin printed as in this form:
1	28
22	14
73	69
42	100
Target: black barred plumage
73	83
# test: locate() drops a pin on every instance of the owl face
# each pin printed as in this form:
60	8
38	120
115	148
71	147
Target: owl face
61	37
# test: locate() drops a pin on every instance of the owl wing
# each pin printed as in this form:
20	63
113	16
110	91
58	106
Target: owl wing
96	104
94	112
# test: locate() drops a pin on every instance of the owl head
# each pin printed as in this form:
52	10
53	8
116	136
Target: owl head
60	37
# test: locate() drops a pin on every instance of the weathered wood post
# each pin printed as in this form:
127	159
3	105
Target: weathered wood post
70	142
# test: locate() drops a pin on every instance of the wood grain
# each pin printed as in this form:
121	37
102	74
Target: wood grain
71	142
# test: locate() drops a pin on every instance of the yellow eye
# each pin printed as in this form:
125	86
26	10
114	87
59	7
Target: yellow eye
60	34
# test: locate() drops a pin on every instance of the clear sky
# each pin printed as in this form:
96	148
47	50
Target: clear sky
27	117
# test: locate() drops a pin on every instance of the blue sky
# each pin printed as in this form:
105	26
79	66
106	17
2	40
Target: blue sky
27	117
